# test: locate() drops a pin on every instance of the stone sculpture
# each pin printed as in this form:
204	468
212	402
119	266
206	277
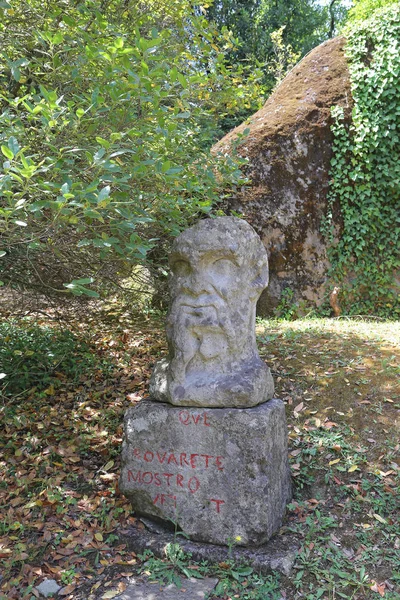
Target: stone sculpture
215	463
219	269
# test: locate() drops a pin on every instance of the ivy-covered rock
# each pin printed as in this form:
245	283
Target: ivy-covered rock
365	177
289	149
323	161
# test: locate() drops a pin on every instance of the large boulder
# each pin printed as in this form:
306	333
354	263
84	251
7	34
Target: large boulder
289	148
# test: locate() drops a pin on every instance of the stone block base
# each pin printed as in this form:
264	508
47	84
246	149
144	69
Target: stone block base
221	475
278	554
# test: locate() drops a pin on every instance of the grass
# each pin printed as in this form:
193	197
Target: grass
340	381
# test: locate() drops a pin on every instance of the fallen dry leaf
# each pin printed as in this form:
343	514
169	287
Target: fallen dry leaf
379	587
110	594
68	589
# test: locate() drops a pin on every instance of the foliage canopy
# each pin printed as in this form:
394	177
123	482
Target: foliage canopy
363	9
303	25
107	111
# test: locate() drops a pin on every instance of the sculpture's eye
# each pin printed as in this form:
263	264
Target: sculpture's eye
224	267
181	268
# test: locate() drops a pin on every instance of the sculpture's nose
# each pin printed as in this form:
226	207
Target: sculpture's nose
196	283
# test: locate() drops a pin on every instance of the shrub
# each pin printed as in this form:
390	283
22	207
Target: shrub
37	356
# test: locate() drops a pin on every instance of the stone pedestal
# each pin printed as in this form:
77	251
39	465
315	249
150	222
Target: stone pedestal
221	475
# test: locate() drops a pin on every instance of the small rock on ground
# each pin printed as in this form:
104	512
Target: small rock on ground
192	589
48	587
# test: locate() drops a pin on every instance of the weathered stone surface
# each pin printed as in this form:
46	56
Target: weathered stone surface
48	587
191	589
289	149
219	475
219	269
278	554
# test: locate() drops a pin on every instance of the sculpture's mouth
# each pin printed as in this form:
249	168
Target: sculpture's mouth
198	305
200	313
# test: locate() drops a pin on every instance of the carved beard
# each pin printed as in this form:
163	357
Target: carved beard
200	334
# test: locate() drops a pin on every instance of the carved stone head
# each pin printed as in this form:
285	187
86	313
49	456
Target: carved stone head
219	269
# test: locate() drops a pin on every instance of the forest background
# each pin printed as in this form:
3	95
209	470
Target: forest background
108	113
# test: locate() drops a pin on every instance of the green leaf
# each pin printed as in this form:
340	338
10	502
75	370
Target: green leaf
104	193
84	242
173	74
69	20
182	80
84	281
2	253
15	72
13	145
241	572
24	161
90	293
79	113
64	188
93	214
103	142
58	38
7	152
99	155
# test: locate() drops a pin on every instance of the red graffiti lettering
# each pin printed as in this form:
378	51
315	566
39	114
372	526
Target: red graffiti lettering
206	458
148	456
218	463
149	476
183	459
136	452
161	498
171	459
193	484
193	461
168	477
217	503
137	477
184	417
161	458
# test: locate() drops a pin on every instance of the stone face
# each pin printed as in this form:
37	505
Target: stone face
219	269
289	148
190	589
220	475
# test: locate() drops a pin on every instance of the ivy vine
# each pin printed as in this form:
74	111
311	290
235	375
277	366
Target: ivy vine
365	172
